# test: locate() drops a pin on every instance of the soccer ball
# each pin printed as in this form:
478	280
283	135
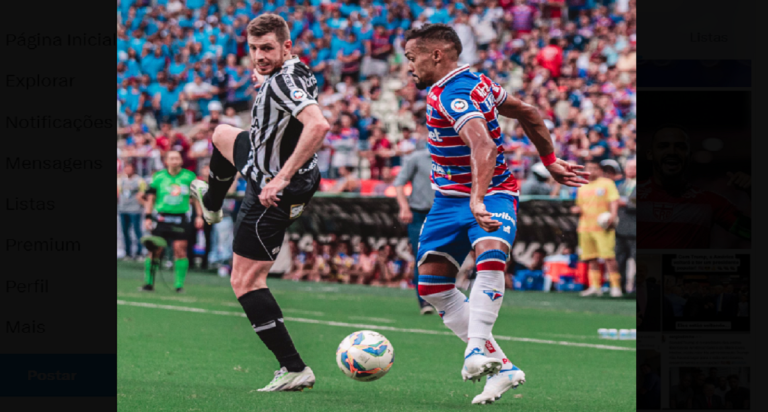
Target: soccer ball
365	356
602	220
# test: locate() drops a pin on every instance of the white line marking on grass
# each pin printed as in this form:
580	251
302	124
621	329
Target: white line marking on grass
385	320
373	327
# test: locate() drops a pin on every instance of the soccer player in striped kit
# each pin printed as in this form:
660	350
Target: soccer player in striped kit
476	201
278	157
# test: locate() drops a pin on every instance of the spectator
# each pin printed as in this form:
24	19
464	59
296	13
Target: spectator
538	182
344	141
347	182
130	191
381	149
198	94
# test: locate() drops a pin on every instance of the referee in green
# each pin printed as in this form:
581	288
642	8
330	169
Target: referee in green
168	194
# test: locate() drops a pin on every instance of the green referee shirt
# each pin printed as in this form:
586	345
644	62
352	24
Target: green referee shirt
172	192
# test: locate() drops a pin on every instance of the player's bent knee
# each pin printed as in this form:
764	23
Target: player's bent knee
491	260
222	133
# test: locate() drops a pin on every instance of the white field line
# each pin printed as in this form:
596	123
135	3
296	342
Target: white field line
373	327
385	320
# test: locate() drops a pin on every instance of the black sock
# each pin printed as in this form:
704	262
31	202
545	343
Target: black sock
219	180
267	320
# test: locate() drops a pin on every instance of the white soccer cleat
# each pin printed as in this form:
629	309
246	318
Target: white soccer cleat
496	385
477	365
285	381
591	292
199	188
616	292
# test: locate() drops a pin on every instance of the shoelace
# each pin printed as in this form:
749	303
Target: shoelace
279	374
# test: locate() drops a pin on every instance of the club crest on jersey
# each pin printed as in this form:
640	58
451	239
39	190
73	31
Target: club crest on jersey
493	294
298	95
296	210
459	105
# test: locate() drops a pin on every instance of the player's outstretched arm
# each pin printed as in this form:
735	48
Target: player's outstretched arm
315	129
569	174
482	163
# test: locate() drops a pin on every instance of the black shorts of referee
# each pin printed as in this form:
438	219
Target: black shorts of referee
259	231
171	227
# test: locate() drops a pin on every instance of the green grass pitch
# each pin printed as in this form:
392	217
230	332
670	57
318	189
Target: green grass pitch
196	351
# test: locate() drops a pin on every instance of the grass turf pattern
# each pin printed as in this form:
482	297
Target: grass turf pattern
196	351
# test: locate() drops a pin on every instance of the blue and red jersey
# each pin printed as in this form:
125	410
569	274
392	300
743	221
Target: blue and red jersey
454	100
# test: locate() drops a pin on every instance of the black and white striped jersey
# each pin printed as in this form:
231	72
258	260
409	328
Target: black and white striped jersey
275	130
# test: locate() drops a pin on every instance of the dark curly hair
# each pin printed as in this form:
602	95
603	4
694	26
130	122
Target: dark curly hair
437	32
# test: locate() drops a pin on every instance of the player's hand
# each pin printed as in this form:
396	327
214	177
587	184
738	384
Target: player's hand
199	222
484	218
739	180
148	224
569	174
256	78
405	215
268	196
576	210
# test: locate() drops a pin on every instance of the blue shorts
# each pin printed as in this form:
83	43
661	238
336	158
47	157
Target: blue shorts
450	229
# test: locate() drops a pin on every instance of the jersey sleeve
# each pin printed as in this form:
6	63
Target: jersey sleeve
612	193
290	93
457	105
499	94
154	184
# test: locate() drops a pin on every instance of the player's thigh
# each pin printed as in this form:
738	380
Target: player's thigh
248	274
588	246
605	242
444	233
504	209
224	138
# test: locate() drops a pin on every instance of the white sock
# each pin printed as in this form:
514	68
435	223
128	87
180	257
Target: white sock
453	307
485	298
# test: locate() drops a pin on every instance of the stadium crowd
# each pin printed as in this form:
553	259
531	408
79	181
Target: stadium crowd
183	68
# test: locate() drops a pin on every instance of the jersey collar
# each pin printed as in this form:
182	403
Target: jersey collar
451	75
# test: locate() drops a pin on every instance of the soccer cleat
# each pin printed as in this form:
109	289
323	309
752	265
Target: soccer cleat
179	290
285	381
616	292
427	309
147	288
199	188
496	385
591	292
477	365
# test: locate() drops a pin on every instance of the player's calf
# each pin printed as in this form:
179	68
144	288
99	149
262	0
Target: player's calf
222	172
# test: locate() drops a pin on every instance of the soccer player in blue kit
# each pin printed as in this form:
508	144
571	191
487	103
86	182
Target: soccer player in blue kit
476	198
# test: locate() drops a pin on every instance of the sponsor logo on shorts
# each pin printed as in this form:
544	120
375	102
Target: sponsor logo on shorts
459	105
507	229
275	250
441	313
296	210
503	215
493	294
